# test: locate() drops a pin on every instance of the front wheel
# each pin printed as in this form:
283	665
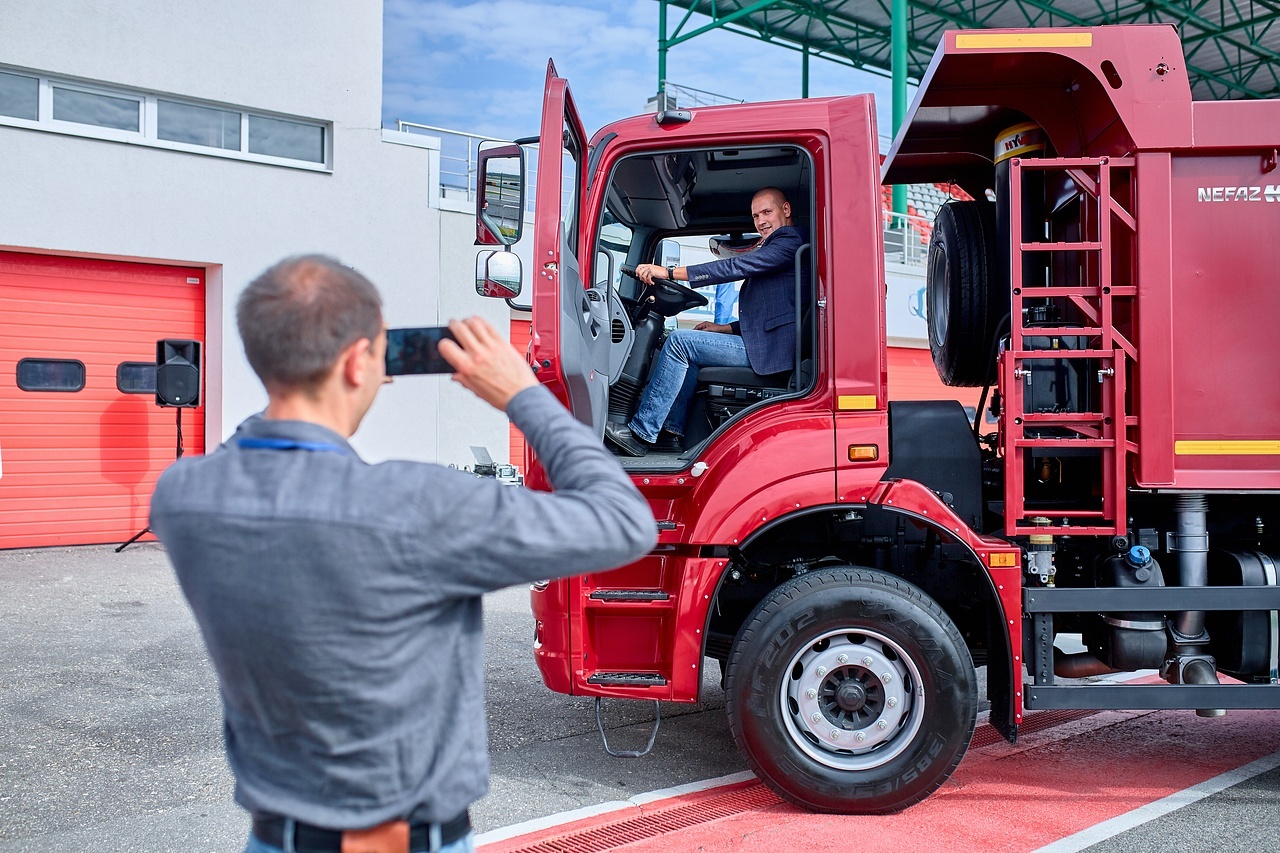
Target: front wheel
851	691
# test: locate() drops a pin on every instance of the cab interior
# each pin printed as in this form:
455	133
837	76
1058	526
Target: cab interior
693	196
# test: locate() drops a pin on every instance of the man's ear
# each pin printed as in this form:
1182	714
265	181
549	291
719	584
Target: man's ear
355	364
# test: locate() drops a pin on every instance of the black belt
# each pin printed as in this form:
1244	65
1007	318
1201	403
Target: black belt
314	839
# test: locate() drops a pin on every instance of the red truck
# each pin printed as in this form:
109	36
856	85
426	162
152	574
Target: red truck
849	560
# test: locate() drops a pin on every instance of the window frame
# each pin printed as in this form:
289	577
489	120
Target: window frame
47	96
29	75
151	364
186	102
148	126
17	375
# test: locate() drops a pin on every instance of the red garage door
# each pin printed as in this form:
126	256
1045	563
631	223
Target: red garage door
521	337
81	439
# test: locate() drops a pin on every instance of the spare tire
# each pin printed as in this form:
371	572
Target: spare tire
968	300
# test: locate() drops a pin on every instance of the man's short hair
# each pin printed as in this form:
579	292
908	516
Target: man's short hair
297	317
774	191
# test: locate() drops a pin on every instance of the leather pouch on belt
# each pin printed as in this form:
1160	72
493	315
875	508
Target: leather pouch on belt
389	837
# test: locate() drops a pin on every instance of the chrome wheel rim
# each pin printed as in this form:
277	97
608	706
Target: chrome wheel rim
852	699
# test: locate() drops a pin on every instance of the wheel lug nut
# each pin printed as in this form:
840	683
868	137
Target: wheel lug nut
882	725
817	718
843	658
835	734
866	661
887	677
811	693
822	670
893	702
862	736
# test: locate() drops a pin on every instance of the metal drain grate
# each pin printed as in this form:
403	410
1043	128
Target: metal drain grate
742	798
1034	722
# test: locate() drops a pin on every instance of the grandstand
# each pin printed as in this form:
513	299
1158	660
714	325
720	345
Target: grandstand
906	237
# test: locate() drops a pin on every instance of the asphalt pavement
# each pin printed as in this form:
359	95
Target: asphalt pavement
110	727
110	721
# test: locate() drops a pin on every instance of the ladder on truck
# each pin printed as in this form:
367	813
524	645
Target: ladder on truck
1103	256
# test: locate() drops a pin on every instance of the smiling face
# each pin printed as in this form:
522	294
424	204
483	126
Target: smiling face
770	210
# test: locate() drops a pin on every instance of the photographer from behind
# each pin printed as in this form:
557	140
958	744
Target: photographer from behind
340	601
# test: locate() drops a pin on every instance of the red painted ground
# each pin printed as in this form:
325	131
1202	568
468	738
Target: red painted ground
1054	783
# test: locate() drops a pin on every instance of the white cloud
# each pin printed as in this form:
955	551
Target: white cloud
479	65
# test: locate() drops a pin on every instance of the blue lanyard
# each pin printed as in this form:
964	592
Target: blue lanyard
290	444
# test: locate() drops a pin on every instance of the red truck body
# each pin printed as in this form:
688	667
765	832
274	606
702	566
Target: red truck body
845	558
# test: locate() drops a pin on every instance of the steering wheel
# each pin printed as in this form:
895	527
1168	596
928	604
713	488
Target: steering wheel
674	290
668	292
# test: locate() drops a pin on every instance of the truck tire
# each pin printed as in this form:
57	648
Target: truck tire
844	653
967	301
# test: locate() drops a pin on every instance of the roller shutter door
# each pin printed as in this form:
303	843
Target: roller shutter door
78	466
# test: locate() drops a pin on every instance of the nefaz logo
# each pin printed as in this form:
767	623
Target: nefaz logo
1271	192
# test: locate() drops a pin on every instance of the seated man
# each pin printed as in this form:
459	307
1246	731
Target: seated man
764	339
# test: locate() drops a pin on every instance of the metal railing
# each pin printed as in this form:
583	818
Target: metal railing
458	156
687	97
906	238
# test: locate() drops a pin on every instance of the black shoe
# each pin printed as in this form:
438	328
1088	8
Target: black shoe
621	437
669	442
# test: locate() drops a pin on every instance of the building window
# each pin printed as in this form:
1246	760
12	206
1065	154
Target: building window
32	100
50	374
19	96
96	109
136	377
279	138
195	125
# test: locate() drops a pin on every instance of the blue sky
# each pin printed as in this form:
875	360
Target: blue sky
479	65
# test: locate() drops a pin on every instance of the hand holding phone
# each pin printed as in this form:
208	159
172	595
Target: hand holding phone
486	364
412	351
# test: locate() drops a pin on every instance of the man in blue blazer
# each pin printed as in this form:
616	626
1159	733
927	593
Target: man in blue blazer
764	339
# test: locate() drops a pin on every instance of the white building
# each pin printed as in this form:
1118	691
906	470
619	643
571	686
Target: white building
156	157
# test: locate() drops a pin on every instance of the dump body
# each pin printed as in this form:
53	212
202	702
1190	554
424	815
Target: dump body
1206	208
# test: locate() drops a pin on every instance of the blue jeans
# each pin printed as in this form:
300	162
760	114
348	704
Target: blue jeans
465	844
665	402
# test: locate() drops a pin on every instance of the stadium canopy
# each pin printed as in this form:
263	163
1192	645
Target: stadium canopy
1232	49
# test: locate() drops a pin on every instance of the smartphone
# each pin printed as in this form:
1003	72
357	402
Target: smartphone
416	351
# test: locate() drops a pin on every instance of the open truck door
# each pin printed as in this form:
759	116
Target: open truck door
570	320
571	342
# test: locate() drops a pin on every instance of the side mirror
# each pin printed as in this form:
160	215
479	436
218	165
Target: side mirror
499	275
499	195
669	252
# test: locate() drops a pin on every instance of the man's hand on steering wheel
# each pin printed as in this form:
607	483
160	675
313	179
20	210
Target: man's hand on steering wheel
649	273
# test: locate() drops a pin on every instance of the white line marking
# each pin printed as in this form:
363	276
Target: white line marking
1160	808
540	823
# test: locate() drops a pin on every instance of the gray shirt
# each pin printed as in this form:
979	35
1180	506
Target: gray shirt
340	603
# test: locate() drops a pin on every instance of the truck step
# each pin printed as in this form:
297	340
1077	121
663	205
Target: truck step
630	595
628	679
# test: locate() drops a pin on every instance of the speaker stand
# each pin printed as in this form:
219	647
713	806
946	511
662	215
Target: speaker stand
177	455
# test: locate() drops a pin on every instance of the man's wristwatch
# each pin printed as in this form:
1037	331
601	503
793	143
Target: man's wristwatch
671	273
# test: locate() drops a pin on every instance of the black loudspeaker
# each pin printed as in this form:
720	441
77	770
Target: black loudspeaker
177	373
